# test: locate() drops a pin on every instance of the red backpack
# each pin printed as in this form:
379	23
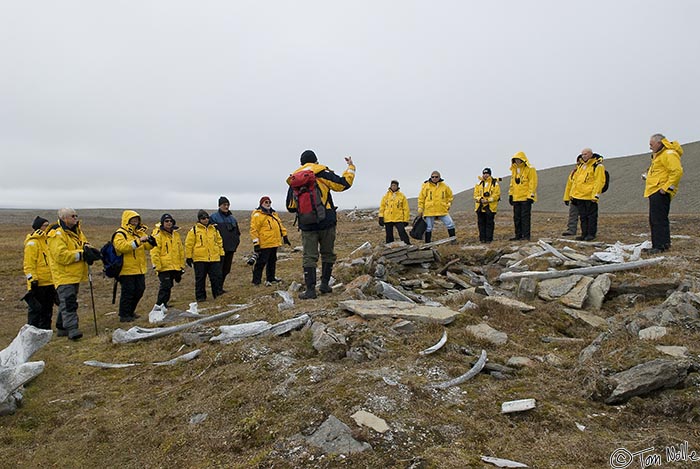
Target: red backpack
306	197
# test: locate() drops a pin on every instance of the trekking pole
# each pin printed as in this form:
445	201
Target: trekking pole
92	299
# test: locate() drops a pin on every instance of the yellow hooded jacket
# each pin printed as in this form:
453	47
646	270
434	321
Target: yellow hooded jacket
66	254
487	186
204	244
126	242
394	207
434	199
266	229
665	171
570	180
36	259
169	253
588	180
523	181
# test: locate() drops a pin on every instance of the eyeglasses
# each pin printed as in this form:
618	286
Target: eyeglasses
267	202
168	221
434	177
75	215
204	218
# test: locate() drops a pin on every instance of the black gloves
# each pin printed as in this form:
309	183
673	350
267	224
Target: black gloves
90	254
566	202
510	199
152	241
381	221
532	201
34	284
177	275
188	261
256	247
286	241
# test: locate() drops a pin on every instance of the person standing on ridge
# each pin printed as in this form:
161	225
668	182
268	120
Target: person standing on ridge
268	233
394	212
40	290
168	257
230	233
203	251
434	202
487	193
522	193
584	192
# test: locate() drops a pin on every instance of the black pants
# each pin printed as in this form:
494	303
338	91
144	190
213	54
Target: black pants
400	227
521	218
588	214
485	220
226	261
133	287
659	206
213	270
166	285
267	257
40	301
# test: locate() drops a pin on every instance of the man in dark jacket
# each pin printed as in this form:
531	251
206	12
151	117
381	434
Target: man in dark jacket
319	236
230	234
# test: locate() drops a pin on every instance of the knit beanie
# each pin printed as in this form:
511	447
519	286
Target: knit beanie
223	200
38	222
486	171
202	214
166	216
308	157
264	198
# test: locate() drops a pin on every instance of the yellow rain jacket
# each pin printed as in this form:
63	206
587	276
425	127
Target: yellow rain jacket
169	253
587	180
665	171
569	182
327	181
266	229
523	181
487	186
434	199
36	259
204	244
126	242
66	254
394	207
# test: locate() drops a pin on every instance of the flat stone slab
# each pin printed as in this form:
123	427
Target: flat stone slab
589	318
652	333
372	309
488	333
673	350
510	302
554	288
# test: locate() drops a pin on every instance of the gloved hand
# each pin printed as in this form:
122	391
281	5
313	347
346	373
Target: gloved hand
177	276
90	254
532	201
566	202
286	241
34	284
189	262
510	199
381	221
256	247
152	241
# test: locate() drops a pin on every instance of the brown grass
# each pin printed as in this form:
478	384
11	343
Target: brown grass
259	393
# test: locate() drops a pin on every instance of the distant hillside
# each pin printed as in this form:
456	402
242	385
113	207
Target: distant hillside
626	191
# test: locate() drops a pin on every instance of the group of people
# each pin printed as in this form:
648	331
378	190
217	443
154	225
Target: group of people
57	257
584	187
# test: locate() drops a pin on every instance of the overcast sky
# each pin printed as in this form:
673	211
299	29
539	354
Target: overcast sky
169	104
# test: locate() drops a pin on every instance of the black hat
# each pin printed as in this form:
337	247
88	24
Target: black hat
308	157
486	171
38	223
223	200
166	216
202	214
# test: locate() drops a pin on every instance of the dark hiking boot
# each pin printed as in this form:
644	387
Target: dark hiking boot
310	282
451	233
74	334
61	333
326	271
568	233
428	236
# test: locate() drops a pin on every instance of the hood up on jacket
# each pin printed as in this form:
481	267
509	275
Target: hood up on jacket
128	215
520	155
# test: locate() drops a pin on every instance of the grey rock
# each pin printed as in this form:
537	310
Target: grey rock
587	353
527	289
597	291
645	378
334	437
554	288
485	332
673	350
520	362
652	333
505	301
329	344
589	318
198	418
577	296
391	293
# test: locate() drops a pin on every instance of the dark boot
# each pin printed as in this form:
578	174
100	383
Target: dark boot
326	270
310	281
428	236
451	233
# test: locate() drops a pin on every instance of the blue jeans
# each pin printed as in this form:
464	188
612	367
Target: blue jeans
446	219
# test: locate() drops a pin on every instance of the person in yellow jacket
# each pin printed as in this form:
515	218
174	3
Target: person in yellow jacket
69	253
522	193
320	236
584	190
204	249
40	290
572	222
662	179
434	201
487	193
394	212
168	257
131	240
268	233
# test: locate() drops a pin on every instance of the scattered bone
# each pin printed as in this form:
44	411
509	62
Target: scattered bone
157	314
437	346
182	358
510	302
230	334
561	340
370	420
370	309
466	376
15	369
550	249
29	339
287	300
520	405
502	462
599	269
